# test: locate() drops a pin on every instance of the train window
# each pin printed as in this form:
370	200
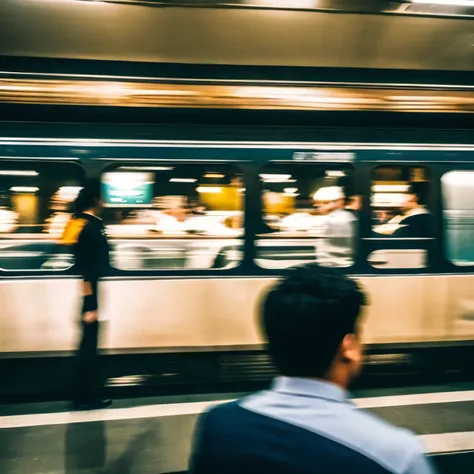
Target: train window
174	217
399	201
458	209
309	215
35	200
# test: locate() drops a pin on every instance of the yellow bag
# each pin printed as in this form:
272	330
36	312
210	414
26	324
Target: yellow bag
72	231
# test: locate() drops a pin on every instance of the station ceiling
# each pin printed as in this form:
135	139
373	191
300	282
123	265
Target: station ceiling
317	33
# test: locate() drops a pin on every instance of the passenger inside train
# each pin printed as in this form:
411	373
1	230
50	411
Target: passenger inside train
415	220
336	248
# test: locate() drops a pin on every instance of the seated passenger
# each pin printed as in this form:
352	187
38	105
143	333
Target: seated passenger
305	423
415	222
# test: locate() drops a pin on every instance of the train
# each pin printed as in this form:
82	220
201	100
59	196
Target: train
190	291
217	160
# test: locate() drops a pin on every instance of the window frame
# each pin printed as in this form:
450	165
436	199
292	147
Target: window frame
326	166
449	265
66	272
240	168
370	243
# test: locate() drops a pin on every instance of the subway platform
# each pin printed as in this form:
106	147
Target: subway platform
153	435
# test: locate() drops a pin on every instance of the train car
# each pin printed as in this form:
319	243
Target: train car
201	229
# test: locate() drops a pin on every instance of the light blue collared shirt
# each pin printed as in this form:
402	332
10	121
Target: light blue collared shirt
324	409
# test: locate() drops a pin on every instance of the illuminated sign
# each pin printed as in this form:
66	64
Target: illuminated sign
128	189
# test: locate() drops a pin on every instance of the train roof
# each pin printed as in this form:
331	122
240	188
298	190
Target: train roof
220	151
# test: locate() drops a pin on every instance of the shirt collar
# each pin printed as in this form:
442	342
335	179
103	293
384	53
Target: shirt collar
415	212
91	215
309	388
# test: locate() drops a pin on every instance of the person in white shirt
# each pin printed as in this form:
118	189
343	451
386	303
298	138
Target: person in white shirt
336	248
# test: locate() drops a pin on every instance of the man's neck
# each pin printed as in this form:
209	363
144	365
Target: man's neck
90	212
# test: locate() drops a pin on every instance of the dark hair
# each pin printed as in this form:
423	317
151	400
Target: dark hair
419	189
88	197
347	185
306	316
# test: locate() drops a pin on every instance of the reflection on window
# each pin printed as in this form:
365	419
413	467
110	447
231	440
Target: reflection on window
458	208
35	201
400	195
309	214
180	217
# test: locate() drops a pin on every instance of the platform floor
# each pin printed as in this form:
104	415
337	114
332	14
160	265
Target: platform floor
152	435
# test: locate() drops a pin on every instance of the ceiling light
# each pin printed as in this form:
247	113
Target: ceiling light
209	190
390	199
276	181
335	174
214	175
283	3
455	3
68	193
291	190
275	176
18	173
146	168
183	180
24	189
390	188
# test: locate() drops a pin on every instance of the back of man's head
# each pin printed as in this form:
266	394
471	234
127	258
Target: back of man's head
88	197
307	317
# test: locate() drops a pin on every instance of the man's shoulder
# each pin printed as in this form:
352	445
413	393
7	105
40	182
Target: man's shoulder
394	448
225	409
358	430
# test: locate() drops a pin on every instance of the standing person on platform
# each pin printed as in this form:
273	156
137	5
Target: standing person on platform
85	232
305	423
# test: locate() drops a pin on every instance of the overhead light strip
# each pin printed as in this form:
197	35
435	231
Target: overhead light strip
455	3
280	145
126	94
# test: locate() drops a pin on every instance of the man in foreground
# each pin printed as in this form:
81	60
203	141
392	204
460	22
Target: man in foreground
305	422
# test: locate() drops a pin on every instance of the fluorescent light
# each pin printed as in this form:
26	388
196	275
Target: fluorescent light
391	199
24	189
390	188
456	3
208	189
291	190
18	173
275	176
335	174
68	193
183	180
283	3
127	180
280	181
146	168
214	175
